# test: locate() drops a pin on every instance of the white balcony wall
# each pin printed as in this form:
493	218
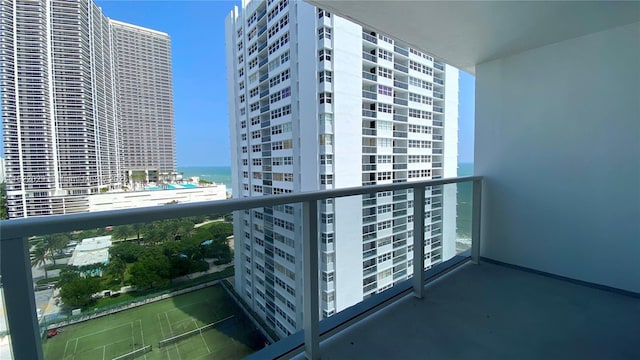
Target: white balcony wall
348	126
558	139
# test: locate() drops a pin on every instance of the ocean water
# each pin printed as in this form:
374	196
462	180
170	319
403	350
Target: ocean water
222	174
218	174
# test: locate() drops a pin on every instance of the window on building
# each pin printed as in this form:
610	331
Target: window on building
325	76
385	90
326	139
326	159
324	55
322	13
325	98
384	54
324	33
326	179
384	72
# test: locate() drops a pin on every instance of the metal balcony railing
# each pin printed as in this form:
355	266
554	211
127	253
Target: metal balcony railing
401	50
370	38
369	95
400	84
15	266
367	56
399	101
369	76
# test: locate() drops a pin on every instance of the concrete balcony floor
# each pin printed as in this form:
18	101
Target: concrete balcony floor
490	311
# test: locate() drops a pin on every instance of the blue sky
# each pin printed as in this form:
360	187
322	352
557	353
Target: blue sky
199	76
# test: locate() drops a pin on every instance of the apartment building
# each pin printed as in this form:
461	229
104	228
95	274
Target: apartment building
62	103
319	102
145	102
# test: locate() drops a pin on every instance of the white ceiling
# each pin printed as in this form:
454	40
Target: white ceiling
466	33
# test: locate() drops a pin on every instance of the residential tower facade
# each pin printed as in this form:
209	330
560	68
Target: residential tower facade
61	104
319	102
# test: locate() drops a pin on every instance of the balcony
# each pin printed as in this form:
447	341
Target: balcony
369	113
26	340
370	38
262	29
369	76
399	117
438	325
400	84
401	50
369	95
369	57
399	101
401	68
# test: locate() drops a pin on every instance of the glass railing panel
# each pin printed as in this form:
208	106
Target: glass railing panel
5	336
159	278
464	198
371	247
155	290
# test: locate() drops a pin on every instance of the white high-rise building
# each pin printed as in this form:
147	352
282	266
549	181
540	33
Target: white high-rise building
61	103
145	97
319	102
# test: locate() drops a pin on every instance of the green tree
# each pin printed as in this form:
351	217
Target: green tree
151	272
127	251
77	292
137	229
122	232
54	244
117	269
3	201
171	228
39	256
67	275
186	228
153	234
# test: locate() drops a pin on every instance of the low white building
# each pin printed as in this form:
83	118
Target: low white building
91	251
155	196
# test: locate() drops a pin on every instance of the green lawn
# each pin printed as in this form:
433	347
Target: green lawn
114	335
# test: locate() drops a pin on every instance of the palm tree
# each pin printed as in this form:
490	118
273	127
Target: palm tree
39	257
137	229
122	232
55	243
171	228
187	228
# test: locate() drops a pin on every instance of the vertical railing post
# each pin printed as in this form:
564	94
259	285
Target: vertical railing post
310	299
418	241
19	300
476	212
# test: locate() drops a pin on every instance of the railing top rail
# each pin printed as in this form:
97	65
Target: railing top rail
42	225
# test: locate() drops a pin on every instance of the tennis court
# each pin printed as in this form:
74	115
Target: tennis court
229	334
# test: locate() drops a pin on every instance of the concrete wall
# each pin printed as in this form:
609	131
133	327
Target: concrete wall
347	89
558	139
450	161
